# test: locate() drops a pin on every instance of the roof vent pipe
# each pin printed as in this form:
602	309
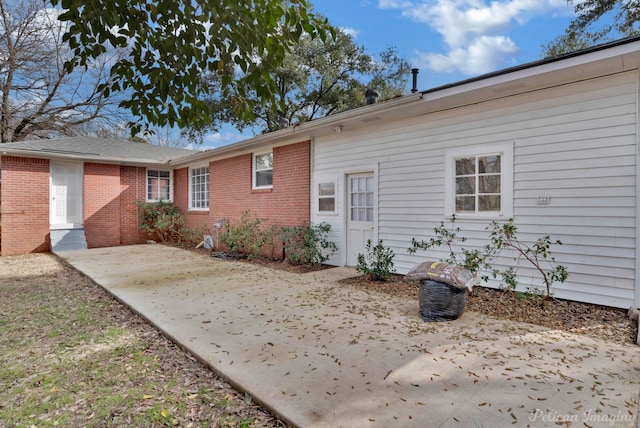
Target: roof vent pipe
372	96
415	71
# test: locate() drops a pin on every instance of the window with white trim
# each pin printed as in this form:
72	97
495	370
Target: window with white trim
199	188
263	170
480	182
159	185
327	197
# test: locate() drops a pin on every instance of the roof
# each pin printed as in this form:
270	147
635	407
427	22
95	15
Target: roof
95	149
609	58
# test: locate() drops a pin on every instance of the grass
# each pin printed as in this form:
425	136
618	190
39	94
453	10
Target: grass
70	355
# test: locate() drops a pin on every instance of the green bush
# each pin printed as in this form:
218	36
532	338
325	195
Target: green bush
377	261
306	244
245	237
161	219
502	236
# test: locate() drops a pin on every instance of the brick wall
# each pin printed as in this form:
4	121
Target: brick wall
102	204
287	203
133	188
25	205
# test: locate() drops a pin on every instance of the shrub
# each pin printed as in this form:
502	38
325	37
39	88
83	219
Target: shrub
306	244
502	236
472	260
538	255
194	235
161	219
245	237
377	261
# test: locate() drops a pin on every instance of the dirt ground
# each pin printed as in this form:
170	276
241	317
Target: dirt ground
600	322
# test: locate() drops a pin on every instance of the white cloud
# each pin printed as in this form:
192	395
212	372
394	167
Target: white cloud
394	4
227	135
481	56
474	31
350	31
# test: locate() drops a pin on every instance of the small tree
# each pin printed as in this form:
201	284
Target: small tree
377	261
501	237
471	259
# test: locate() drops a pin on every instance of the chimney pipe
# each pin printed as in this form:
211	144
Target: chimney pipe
372	96
414	71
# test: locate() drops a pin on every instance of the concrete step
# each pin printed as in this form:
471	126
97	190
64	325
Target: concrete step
67	240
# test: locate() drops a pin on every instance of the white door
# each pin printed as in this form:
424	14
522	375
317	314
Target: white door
360	215
66	195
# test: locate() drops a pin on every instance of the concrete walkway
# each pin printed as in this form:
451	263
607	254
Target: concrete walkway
319	354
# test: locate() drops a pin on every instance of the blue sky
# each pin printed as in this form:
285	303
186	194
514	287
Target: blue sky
448	40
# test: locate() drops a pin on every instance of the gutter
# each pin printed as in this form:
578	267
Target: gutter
307	130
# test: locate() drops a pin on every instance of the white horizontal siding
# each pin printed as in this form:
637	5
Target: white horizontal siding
575	144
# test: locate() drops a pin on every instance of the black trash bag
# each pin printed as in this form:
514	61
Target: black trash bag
440	301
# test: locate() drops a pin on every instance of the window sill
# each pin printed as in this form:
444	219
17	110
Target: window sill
198	212
262	190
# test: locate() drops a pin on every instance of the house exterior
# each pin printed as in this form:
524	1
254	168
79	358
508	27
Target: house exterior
551	144
92	185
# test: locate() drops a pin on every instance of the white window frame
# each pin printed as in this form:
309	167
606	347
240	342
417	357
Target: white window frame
193	170
506	180
334	196
170	184
255	170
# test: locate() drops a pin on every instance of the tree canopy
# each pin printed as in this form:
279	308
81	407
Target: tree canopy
171	44
38	97
317	78
596	21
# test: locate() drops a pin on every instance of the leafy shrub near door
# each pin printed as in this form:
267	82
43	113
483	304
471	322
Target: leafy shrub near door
307	244
377	261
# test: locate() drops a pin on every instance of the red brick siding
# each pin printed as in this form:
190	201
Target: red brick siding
102	204
287	203
133	188
25	205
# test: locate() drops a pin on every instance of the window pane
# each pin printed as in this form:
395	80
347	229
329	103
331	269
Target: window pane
465	185
362	214
362	200
354	214
465	166
362	184
489	164
369	199
489	203
490	184
327	204
264	178
264	161
354	184
465	204
369	214
326	189
369	184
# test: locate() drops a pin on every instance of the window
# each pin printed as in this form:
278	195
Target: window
199	188
158	185
361	198
481	183
263	170
327	197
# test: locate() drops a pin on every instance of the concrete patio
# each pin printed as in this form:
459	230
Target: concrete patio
319	354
